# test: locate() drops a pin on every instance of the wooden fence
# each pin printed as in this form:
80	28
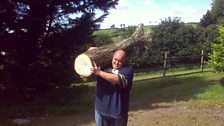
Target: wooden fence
167	59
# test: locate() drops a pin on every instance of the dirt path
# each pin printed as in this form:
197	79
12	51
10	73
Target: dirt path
176	114
161	114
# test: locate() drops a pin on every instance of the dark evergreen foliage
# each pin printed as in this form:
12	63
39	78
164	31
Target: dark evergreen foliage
207	19
39	39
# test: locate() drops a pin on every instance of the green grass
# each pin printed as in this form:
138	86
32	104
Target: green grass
197	90
156	73
181	85
213	96
190	87
111	31
105	31
147	29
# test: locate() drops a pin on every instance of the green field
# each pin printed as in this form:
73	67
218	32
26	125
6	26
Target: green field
110	31
147	29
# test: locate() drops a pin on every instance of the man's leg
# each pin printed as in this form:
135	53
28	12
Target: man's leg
100	120
121	121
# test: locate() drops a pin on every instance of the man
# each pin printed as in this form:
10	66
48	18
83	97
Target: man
112	91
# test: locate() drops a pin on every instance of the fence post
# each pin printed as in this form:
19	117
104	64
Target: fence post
202	60
164	64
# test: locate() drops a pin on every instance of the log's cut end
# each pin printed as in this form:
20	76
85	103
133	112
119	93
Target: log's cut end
83	65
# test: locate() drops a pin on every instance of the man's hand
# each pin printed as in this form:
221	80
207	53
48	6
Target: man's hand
113	78
95	70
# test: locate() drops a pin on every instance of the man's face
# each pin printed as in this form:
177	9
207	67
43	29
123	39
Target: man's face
118	60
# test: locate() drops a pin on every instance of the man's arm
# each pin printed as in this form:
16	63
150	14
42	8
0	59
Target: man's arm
111	77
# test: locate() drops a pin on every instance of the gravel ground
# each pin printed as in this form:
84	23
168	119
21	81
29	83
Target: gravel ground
160	114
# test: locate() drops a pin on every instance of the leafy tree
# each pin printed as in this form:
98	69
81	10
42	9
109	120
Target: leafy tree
207	19
112	26
187	40
217	55
129	31
139	58
217	11
124	32
172	36
165	38
40	40
206	36
102	39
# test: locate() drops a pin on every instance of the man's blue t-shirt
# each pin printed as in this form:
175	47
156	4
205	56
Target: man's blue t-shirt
113	99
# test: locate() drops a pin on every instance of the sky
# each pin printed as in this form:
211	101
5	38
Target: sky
151	12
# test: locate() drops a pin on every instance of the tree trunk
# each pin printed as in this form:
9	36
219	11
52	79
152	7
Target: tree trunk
102	56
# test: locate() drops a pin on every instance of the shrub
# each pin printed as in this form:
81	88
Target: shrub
217	56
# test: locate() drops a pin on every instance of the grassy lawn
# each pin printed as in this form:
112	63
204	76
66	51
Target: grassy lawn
200	89
197	90
158	73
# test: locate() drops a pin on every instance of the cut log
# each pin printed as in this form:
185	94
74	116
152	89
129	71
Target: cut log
102	56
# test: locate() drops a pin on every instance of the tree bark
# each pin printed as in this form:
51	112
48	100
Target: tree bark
102	56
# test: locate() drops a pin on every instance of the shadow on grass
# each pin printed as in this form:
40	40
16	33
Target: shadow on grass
170	89
145	93
77	101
